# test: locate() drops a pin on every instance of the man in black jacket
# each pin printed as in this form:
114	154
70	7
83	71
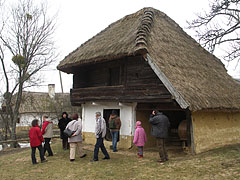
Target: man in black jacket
160	125
62	123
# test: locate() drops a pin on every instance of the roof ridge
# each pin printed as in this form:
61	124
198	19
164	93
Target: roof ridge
143	31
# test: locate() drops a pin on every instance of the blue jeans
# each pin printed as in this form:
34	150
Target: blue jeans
100	144
115	135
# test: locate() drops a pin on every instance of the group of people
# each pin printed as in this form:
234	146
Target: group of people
159	121
38	136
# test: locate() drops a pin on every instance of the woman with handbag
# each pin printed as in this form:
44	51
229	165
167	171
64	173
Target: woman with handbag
75	140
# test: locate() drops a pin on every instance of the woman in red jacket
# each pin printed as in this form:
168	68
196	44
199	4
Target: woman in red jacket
36	140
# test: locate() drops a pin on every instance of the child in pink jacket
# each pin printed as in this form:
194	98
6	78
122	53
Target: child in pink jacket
139	138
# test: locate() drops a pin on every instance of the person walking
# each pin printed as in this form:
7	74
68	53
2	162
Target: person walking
160	125
114	126
140	138
62	124
76	140
36	139
47	131
100	132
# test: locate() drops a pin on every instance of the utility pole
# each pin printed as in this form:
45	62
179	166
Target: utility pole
61	80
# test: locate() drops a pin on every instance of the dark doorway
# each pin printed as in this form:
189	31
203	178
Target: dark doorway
175	117
106	115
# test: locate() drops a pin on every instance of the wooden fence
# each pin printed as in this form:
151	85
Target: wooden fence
22	140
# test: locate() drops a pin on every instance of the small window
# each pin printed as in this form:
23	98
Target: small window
106	115
114	76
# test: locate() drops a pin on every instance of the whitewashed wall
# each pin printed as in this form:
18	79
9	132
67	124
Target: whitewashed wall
26	118
127	116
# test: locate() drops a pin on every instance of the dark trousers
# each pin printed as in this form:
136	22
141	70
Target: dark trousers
40	149
47	147
100	144
162	149
65	143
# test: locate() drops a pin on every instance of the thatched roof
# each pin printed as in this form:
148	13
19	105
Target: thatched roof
197	77
40	102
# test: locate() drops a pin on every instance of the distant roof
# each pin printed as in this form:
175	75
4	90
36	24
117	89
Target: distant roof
40	102
199	79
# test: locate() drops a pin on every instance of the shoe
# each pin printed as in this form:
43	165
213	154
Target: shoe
35	163
161	161
72	160
49	155
83	156
93	160
43	161
105	158
140	156
115	150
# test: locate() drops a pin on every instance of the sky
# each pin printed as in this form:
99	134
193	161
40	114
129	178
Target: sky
78	21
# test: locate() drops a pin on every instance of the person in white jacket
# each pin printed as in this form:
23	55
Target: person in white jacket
100	132
76	140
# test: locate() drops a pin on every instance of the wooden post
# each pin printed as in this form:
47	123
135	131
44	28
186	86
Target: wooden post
188	118
190	138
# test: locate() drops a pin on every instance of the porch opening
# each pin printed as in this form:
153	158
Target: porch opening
176	118
106	115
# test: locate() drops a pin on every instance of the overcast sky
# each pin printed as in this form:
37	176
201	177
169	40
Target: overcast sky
79	20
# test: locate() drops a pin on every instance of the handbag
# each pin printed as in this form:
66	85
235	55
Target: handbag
69	132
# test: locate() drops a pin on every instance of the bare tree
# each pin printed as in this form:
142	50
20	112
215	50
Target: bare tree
28	36
220	28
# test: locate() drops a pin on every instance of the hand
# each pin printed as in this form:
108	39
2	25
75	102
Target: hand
153	113
73	135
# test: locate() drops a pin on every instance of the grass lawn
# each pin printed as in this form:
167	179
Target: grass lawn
223	163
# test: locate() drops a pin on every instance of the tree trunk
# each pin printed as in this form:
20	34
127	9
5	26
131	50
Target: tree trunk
15	115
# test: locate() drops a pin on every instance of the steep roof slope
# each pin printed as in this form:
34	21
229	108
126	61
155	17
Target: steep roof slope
197	76
117	40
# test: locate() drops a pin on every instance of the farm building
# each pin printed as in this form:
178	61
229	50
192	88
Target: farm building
145	61
36	104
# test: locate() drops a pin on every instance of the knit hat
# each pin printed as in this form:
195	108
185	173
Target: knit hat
114	112
138	123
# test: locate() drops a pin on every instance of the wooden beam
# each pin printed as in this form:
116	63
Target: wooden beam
176	95
160	106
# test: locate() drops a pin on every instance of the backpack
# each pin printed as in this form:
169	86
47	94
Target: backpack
112	124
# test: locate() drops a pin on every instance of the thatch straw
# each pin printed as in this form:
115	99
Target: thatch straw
197	75
40	102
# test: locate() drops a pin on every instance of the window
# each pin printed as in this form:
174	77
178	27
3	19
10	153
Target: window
106	115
